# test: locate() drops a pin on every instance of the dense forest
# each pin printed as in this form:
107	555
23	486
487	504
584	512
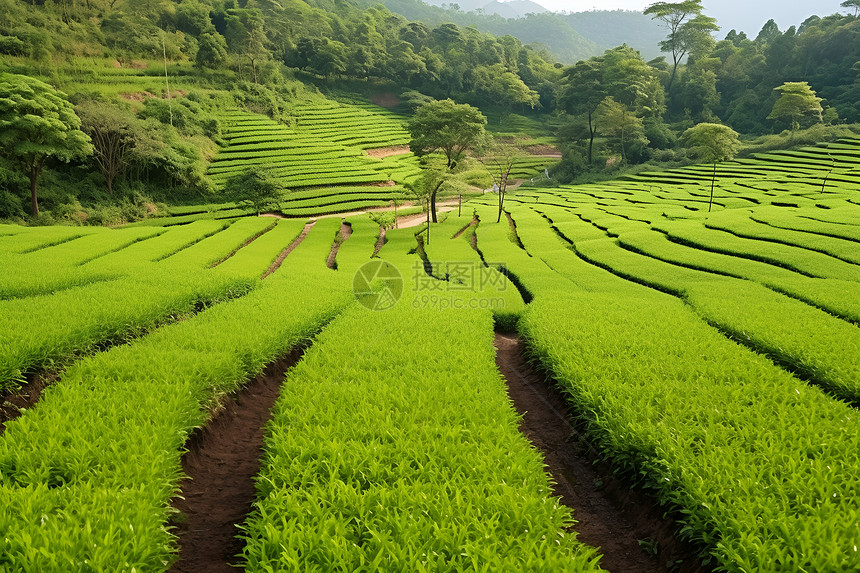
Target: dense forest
607	112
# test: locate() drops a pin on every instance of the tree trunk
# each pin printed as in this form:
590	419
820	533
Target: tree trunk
591	131
623	123
34	176
433	201
672	79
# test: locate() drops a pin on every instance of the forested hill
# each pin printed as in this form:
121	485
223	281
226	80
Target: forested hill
569	37
162	74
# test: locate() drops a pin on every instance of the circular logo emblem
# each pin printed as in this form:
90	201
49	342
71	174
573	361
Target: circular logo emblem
377	285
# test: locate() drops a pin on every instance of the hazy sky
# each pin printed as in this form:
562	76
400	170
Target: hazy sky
746	15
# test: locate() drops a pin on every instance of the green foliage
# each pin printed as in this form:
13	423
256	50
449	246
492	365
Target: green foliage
623	126
797	100
211	50
446	126
37	122
711	142
113	131
382	475
255	188
855	4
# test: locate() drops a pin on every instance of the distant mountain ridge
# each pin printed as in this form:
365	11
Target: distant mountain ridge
513	9
568	37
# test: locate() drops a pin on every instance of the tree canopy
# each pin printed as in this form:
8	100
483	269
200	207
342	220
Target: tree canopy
37	122
711	143
687	26
256	189
446	126
797	101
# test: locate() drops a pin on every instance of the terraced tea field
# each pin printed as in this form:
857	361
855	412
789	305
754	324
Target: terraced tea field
708	360
321	156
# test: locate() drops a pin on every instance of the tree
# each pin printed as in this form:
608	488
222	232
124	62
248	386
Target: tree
448	127
112	130
38	122
504	88
711	143
797	101
583	92
852	4
686	25
255	188
499	160
622	124
246	36
211	51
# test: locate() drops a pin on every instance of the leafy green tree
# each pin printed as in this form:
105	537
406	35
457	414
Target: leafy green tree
620	73
255	188
768	33
855	4
448	127
192	17
504	88
711	143
211	51
797	101
620	124
113	131
499	159
246	36
686	25
37	122
582	92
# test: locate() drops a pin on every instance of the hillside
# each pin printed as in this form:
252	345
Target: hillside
177	102
569	37
696	348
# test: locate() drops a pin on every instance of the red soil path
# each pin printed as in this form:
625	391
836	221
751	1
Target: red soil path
609	515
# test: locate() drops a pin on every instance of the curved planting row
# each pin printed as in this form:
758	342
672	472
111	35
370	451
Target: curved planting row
375	444
761	467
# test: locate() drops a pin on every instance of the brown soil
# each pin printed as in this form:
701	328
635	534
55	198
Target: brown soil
388	183
345	233
221	462
472	223
136	96
543	151
420	218
381	152
385	99
627	525
280	260
13	404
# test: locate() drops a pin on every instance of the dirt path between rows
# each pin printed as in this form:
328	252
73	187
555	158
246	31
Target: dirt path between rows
221	462
381	152
627	525
296	242
409	221
13	404
344	233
